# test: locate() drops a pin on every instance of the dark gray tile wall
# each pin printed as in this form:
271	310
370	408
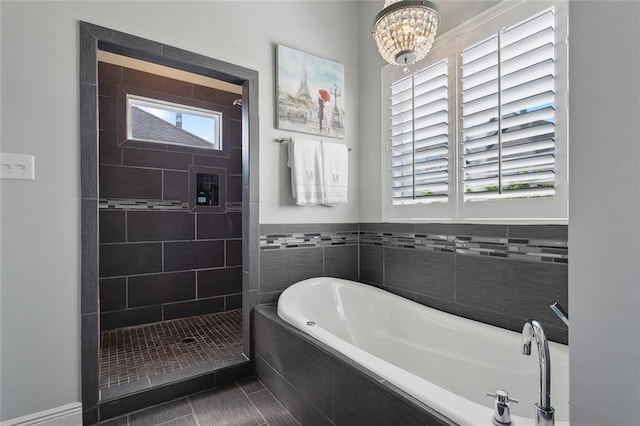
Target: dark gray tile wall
218	282
129	182
450	267
159	226
504	292
293	252
113	293
341	262
175	185
155	289
421	272
129	259
319	386
164	262
187	255
281	268
371	264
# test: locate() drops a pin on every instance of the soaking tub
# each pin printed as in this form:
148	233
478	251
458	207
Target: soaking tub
447	362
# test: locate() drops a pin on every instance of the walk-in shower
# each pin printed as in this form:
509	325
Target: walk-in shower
170	221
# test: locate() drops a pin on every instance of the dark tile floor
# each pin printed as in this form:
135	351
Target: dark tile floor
137	358
246	403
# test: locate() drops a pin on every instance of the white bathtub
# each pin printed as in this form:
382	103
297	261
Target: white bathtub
445	361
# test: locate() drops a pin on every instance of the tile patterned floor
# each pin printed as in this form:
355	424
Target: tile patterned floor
246	403
136	358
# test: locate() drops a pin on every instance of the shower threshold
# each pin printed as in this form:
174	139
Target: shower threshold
142	357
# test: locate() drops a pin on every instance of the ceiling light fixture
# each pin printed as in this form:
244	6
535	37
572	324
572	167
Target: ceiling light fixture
404	30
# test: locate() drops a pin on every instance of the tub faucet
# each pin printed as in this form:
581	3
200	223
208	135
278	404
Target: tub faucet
544	410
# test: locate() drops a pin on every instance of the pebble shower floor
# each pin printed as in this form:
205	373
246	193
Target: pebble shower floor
142	355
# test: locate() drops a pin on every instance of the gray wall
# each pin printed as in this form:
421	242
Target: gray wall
370	156
604	212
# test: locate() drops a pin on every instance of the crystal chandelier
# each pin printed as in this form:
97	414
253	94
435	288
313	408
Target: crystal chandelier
404	30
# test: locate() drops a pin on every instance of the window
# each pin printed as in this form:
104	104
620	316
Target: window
478	131
420	136
154	120
508	113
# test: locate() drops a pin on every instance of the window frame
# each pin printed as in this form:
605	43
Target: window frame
217	116
450	46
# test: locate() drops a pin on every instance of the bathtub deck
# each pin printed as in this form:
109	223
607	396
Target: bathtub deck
137	358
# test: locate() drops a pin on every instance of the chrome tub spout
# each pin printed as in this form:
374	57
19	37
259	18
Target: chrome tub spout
544	410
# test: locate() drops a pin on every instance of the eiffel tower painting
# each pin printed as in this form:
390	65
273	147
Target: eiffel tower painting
303	91
311	93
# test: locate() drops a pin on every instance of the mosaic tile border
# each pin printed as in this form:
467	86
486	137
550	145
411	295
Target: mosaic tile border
511	248
308	239
533	250
133	204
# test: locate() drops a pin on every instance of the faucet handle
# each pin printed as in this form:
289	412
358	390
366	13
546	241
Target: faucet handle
502	397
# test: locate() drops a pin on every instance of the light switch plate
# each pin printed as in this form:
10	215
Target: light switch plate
17	166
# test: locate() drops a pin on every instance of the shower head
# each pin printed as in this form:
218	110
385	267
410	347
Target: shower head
237	103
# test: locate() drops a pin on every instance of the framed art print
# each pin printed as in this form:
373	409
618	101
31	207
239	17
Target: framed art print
310	93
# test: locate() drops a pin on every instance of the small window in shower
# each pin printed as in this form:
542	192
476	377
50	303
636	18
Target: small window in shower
153	120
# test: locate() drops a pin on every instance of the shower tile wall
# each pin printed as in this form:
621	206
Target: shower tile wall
497	274
158	259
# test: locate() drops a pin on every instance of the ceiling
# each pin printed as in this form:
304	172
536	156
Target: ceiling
176	74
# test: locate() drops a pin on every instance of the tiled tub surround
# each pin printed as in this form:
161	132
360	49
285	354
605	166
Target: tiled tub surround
320	386
290	253
161	258
137	358
498	274
479	272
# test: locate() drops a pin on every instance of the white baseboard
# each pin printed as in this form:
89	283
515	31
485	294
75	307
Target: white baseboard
65	415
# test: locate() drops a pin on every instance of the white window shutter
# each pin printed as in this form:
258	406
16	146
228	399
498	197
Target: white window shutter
419	148
508	113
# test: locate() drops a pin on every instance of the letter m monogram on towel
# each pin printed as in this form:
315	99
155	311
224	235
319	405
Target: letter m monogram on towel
308	176
335	177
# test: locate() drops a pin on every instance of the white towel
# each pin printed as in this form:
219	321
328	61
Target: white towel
305	161
335	171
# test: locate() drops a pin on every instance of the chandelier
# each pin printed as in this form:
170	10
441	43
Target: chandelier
404	30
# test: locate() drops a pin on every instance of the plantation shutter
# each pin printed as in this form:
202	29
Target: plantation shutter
420	137
508	112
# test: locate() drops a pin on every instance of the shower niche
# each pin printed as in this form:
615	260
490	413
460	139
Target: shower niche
208	190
